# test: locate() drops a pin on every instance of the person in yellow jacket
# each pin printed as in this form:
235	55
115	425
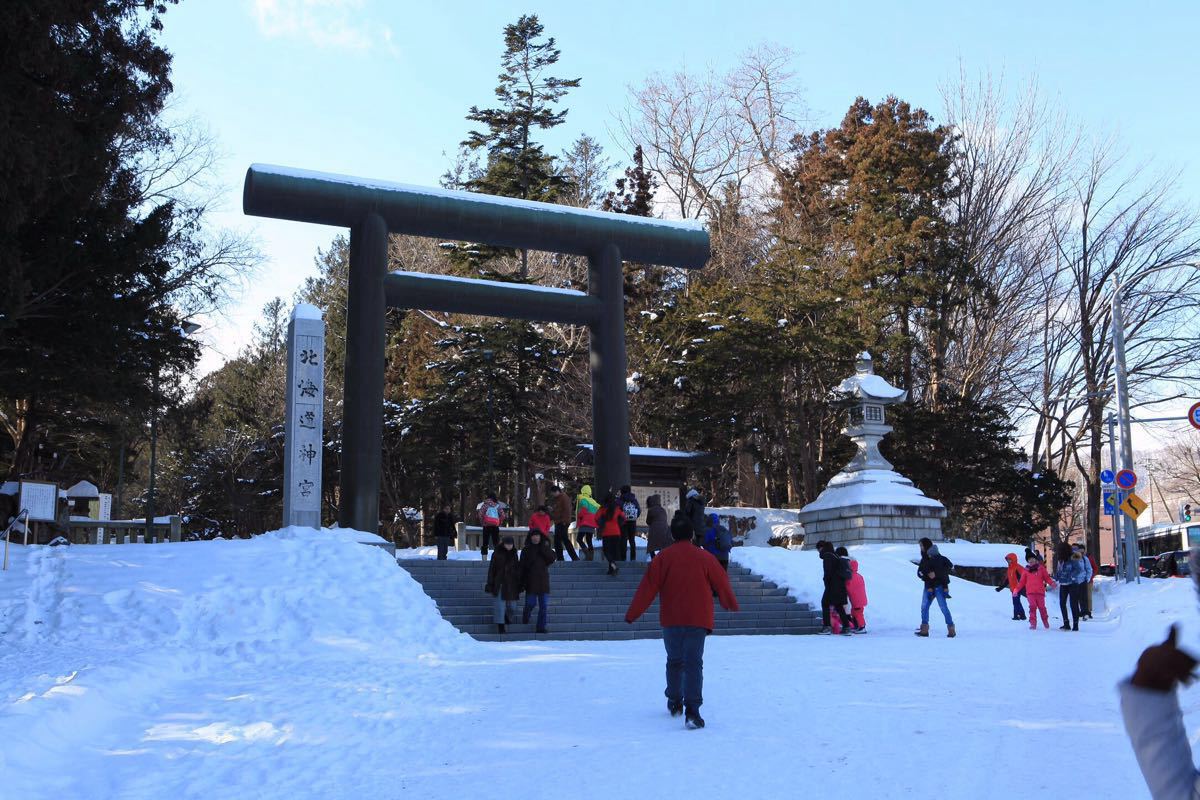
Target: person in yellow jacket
585	522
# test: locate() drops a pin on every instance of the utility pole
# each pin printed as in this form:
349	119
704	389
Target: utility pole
1118	323
1118	556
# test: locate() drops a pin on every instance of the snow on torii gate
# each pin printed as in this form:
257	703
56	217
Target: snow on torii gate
372	209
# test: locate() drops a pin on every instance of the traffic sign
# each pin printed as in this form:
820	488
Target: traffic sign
1106	476
1194	415
1112	501
1126	479
1133	506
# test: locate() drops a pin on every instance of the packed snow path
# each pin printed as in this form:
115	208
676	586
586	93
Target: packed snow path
303	665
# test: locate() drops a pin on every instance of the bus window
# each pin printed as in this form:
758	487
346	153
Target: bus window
1193	532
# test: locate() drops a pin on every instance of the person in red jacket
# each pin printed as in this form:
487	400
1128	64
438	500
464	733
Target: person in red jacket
610	522
540	522
686	577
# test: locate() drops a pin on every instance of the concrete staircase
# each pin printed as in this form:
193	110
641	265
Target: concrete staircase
587	604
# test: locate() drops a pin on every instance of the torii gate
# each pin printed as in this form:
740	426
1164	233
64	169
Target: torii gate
372	209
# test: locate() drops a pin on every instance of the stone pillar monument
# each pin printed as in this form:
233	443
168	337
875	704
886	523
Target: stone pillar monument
304	417
869	501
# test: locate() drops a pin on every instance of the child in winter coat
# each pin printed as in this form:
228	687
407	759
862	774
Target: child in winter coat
540	521
1034	582
856	592
585	522
1011	578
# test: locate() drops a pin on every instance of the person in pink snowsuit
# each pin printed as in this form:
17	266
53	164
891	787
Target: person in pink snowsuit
1034	582
856	589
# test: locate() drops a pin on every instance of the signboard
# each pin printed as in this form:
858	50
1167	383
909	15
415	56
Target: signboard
1194	416
1126	479
1106	476
1112	499
40	498
1133	506
304	418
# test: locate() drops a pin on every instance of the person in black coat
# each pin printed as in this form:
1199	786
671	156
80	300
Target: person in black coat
835	596
934	570
693	509
536	558
504	581
444	531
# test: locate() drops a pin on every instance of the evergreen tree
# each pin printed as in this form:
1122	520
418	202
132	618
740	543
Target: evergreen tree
586	170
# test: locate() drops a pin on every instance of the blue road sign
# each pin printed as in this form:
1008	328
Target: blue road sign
1107	476
1126	479
1112	501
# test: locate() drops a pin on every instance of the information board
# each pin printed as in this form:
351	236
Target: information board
40	498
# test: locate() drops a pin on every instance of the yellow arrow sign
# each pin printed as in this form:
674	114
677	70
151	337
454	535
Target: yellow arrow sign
1133	506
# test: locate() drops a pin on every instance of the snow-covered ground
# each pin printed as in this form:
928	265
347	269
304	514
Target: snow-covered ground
305	665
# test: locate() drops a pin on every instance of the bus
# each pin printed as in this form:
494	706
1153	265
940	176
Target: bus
1160	539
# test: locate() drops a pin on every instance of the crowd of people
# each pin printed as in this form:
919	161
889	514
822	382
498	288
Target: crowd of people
1074	572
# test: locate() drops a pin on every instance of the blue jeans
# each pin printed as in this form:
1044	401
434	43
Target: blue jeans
685	664
927	598
543	602
501	607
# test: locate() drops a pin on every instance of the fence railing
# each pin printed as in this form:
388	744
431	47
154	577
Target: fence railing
106	531
8	531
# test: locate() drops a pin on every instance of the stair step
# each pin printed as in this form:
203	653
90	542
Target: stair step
587	604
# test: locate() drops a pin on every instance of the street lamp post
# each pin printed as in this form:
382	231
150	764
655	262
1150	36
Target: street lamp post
487	356
188	329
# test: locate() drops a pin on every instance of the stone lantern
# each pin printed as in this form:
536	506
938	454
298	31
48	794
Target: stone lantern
869	501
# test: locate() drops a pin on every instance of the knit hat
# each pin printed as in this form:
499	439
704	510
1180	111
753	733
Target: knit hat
508	540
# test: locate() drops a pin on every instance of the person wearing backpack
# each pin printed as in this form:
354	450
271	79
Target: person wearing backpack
934	570
718	541
633	510
585	522
834	597
608	523
491	517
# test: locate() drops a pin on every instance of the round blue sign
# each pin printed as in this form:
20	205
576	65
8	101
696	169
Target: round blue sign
1106	476
1126	479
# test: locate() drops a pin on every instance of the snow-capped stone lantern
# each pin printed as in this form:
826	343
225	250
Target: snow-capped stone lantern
869	501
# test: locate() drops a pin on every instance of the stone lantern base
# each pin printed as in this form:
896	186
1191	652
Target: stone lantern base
871	506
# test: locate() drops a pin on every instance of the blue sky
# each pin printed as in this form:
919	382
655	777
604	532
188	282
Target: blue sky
380	89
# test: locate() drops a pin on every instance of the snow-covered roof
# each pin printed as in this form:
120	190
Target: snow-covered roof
306	311
84	490
869	386
658	452
870	487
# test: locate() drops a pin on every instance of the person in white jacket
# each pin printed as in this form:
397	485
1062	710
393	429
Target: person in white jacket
1154	720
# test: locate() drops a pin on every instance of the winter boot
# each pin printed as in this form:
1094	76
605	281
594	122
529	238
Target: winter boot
500	628
949	631
826	630
1066	626
923	631
525	615
675	708
693	720
1075	627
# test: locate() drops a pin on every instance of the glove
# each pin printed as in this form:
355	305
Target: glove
998	588
1162	666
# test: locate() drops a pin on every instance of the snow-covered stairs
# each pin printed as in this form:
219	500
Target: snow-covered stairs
585	603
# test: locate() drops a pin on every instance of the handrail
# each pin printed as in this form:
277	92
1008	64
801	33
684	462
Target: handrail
24	512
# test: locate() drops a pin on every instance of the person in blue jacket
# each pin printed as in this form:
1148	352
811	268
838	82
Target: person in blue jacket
1070	574
718	541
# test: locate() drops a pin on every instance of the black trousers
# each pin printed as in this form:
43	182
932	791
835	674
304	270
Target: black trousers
1069	593
563	540
443	547
490	533
585	541
629	538
614	548
836	601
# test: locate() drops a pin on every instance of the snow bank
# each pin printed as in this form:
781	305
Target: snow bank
769	523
